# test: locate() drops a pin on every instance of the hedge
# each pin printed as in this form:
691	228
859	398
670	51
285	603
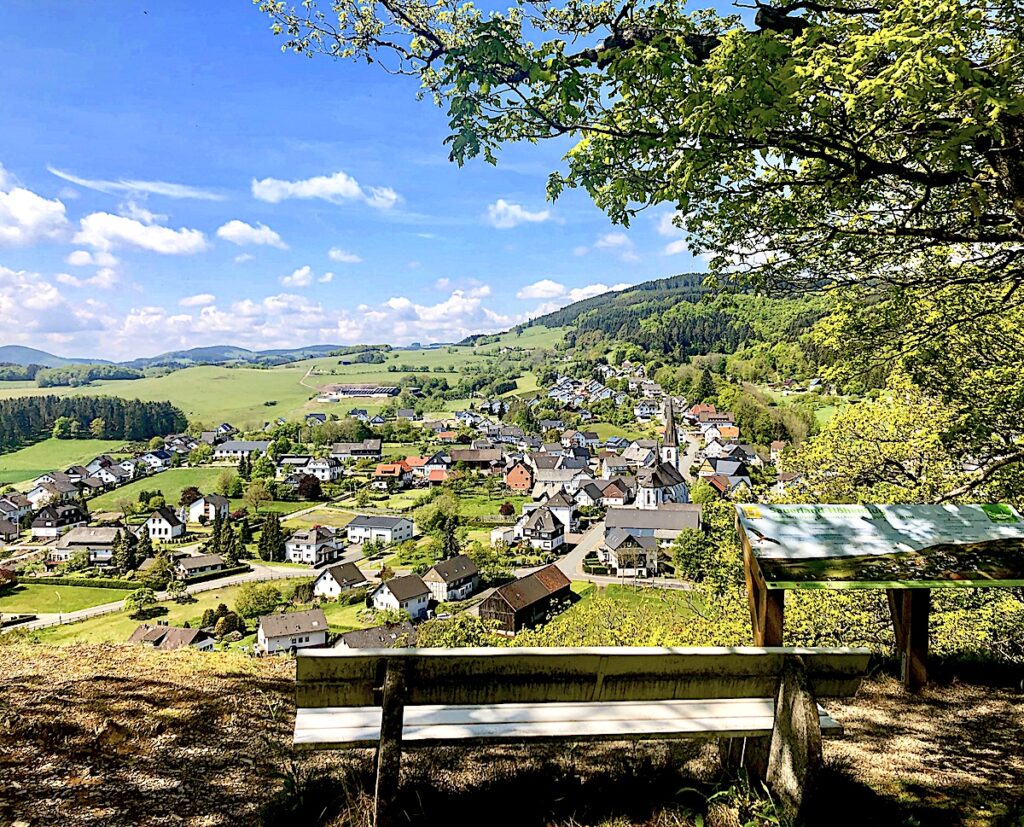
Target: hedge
213	575
94	582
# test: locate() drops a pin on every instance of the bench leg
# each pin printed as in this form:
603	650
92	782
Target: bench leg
795	756
748	755
389	750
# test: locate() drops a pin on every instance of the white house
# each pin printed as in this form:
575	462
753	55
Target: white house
628	555
334	580
235	449
286	631
98	543
316	545
543	530
453	579
208	506
157	460
55	520
325	469
163	524
380	529
409	593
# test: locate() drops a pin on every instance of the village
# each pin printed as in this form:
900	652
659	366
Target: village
330	533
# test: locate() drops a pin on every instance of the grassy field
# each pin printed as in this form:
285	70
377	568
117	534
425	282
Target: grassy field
536	337
114	628
51	455
604	430
322	516
42	598
170	482
342	618
211	395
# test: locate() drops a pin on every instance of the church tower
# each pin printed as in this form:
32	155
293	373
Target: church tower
670	444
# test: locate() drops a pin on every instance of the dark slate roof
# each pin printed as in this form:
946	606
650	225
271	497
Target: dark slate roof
375	521
345	574
406	587
533	588
167	513
294	623
672	517
541	519
618	537
200	561
390	635
455	568
168	637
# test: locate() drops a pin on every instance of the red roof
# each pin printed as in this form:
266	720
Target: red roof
437	475
416	462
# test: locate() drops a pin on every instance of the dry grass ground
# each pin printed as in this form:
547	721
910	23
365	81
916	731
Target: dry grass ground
116	735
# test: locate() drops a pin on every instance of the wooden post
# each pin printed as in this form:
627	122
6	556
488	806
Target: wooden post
767	606
910	609
389	750
795	756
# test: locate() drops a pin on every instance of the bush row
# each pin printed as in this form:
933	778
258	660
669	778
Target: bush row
214	575
94	582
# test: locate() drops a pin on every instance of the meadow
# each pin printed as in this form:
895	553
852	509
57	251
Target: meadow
118	626
211	395
50	455
43	598
170	483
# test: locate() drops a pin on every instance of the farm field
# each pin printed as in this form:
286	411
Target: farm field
211	394
44	599
170	483
322	516
116	628
206	394
51	455
531	338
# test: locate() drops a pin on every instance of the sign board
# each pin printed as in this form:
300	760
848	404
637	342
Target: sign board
884	546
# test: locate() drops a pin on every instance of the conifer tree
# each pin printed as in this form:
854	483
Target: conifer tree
144	548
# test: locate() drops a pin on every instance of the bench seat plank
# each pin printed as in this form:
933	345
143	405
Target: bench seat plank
335	727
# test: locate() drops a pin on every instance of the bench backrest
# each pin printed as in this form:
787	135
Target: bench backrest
346	677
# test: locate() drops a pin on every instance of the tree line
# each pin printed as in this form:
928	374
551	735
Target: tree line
27	420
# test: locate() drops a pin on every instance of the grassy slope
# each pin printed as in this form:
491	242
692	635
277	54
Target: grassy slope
170	482
128	735
216	394
50	454
115	628
36	597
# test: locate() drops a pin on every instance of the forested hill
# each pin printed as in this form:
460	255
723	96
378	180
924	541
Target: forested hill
679	317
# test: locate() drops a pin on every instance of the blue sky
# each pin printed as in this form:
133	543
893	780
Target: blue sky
170	178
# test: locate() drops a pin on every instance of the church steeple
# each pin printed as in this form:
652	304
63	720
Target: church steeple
670	442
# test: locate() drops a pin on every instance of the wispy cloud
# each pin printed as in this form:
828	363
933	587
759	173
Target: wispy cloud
165	188
343	256
504	215
242	234
335	188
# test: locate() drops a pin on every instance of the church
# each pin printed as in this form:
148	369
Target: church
663	482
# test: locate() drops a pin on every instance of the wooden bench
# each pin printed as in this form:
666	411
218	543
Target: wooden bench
764	700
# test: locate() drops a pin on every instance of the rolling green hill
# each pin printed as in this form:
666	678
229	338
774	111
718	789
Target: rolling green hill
31	462
21	355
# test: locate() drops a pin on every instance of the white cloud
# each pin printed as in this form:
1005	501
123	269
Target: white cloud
302	277
27	218
326	278
581	250
130	209
198	300
559	295
543	289
611	241
343	256
673	225
34	311
241	258
106	278
134	186
335	188
442	283
504	215
105	231
240	233
83	258
680	245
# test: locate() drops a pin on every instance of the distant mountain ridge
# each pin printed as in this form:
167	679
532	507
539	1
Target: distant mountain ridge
21	355
211	355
